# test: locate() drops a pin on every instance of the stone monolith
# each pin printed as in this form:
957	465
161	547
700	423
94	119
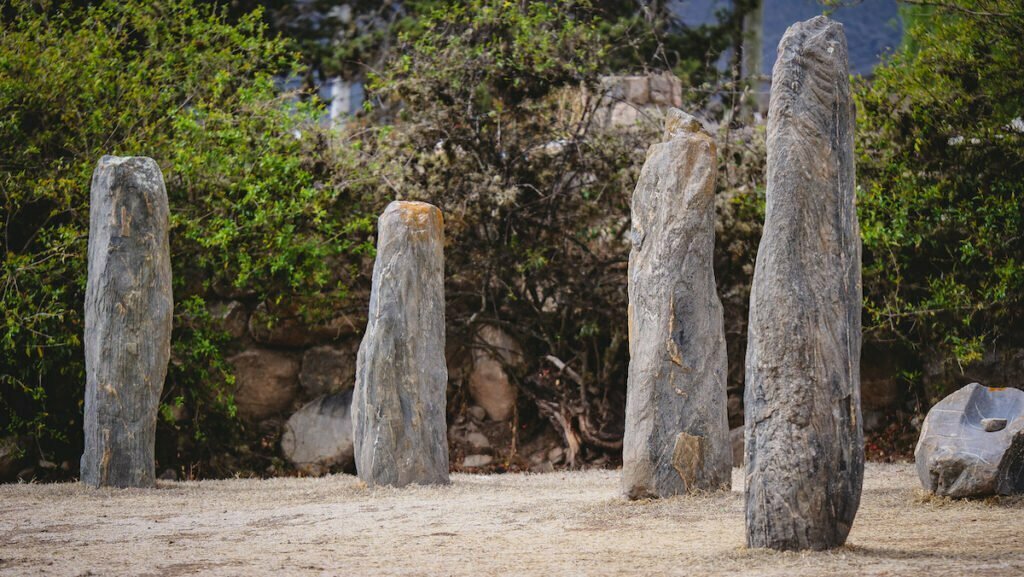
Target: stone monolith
804	443
677	428
399	401
128	309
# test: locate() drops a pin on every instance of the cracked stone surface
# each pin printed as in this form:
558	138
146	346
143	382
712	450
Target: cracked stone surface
399	401
128	310
804	439
677	430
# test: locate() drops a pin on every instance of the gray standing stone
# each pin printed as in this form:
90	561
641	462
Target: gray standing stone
677	428
401	377
128	309
972	443
804	443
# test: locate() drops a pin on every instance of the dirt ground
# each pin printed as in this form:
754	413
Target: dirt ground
552	524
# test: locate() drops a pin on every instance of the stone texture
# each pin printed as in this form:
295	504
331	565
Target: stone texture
666	90
318	437
329	369
626	101
401	377
128	311
957	456
489	385
736	441
477	460
230	317
266	383
677	431
804	443
281	327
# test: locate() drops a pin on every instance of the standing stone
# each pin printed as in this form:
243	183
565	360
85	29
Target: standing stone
128	308
677	428
401	377
804	443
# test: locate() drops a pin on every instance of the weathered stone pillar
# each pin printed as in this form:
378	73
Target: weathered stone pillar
128	309
804	444
399	402
677	428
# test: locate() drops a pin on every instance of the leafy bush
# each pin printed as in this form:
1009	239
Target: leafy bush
941	169
257	190
490	126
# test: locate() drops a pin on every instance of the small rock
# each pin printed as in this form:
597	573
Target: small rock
266	383
478	440
489	385
635	89
993	425
959	456
543	467
556	455
283	328
477	412
318	437
169	475
328	369
665	89
477	460
231	317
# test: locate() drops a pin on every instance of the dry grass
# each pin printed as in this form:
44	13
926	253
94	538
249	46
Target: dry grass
554	524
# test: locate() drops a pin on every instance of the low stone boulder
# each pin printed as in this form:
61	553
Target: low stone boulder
266	383
489	384
329	369
972	443
318	437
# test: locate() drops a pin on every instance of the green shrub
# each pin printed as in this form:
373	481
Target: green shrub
941	170
257	190
490	126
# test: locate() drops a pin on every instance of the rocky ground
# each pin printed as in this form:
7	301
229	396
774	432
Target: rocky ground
548	524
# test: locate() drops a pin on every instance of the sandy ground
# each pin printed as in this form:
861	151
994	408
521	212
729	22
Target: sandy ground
552	524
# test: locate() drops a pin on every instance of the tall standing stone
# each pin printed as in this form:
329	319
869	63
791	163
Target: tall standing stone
804	444
677	428
128	309
401	376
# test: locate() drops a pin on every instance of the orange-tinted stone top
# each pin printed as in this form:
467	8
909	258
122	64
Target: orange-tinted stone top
419	215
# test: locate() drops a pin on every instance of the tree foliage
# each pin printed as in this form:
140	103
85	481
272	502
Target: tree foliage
491	125
941	169
257	203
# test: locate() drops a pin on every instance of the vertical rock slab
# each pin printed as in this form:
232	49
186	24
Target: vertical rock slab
399	401
804	443
128	309
677	428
